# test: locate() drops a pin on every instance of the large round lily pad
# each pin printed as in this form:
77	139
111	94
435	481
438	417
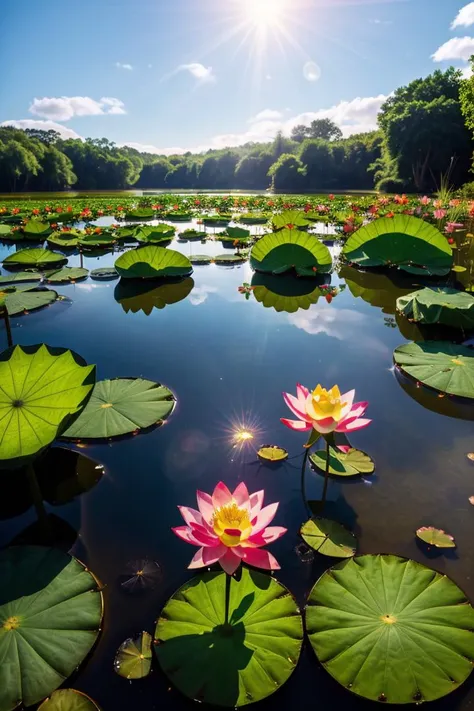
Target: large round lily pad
41	389
291	250
151	262
440	365
50	616
34	229
20	299
156	234
231	664
34	258
343	463
445	306
134	656
67	274
329	538
68	700
20	277
290	219
390	629
121	406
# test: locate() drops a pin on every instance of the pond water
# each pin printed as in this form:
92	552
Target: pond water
228	360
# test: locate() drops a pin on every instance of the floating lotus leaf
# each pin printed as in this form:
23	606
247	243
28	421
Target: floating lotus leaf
14	277
286	292
272	453
152	262
177	216
68	700
121	406
191	235
34	229
124	233
133	658
228	259
18	299
390	629
96	241
231	664
430	400
140	213
67	274
351	463
62	217
159	233
42	387
216	220
435	537
135	296
329	538
237	233
200	259
50	616
104	273
404	241
34	258
290	219
445	306
380	290
5	231
440	365
280	252
260	219
65	240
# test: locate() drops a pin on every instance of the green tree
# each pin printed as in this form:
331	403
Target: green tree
288	173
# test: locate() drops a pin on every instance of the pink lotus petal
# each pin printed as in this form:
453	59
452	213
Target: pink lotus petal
302	392
191	515
344	448
264	518
242	497
325	426
194	537
258	558
353	425
207	556
205	530
358	409
297	425
348	398
256	503
296	406
229	561
221	496
205	506
269	535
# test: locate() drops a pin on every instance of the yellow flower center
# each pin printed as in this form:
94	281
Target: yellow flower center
232	524
11	624
389	619
322	403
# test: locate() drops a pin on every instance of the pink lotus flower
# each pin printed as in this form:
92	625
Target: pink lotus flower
452	227
230	528
440	214
325	411
425	200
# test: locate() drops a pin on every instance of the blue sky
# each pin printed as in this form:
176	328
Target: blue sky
194	74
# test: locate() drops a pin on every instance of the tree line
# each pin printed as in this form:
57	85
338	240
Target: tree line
425	136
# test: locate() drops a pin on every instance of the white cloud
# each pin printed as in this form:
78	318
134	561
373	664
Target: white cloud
266	115
376	21
198	71
64	108
43	126
120	65
465	17
455	48
311	71
150	148
467	72
200	294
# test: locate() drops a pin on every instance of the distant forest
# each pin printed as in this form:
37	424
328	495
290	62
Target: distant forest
426	132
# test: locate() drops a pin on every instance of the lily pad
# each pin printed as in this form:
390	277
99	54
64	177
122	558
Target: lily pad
290	219
21	299
20	277
140	213
124	233
440	365
152	262
50	616
133	658
445	306
65	240
104	273
34	229
121	406
159	233
435	537
329	538
350	463
42	388
68	700
228	259
34	258
291	250
200	259
230	663
391	630
237	233
135	296
67	274
272	453
5	231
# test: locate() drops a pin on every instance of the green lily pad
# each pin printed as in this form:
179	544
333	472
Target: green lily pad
133	658
20	277
237	233
351	463
42	388
50	616
290	219
121	406
200	259
65	240
435	537
440	365
35	229
104	273
329	538
67	274
228	259
152	262
288	250
448	307
191	235
21	299
236	663
390	629
124	234
272	453
140	213
151	235
34	258
135	296
68	700
5	231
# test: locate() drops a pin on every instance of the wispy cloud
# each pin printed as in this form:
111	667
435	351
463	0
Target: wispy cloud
465	17
198	71
266	115
455	48
43	126
378	21
150	148
121	65
64	108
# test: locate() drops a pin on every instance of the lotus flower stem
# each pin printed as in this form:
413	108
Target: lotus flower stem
8	327
303	479
37	497
326	475
228	579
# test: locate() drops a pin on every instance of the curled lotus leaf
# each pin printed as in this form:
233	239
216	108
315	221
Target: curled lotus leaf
291	250
448	307
34	229
152	262
290	219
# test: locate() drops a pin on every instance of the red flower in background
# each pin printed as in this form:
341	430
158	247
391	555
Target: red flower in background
15	211
35	211
332	197
47	208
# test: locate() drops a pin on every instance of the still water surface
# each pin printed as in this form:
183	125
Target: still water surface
228	360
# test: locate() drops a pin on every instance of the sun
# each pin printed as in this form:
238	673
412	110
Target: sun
263	14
